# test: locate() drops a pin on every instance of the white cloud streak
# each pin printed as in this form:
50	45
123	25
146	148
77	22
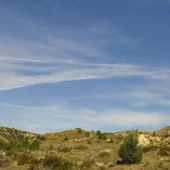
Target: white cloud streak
140	96
36	51
62	118
12	72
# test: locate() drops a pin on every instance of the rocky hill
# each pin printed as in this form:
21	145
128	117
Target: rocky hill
159	137
71	135
7	134
89	150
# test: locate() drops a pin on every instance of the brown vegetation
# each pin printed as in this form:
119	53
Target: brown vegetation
80	150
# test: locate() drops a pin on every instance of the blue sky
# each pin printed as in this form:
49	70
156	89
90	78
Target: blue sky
93	64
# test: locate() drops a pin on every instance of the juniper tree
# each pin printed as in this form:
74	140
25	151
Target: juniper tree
130	152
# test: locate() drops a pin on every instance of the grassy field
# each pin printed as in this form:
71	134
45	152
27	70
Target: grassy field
82	150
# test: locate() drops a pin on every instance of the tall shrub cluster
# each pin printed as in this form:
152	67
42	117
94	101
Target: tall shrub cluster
57	163
130	152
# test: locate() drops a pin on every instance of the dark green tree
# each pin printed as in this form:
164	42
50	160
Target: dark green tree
66	138
130	152
24	143
111	140
2	144
35	145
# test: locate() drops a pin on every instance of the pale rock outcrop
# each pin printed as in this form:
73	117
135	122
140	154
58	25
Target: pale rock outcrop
148	140
143	140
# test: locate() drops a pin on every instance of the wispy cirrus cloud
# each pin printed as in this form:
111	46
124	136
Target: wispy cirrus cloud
146	97
15	72
55	59
139	96
108	33
61	117
98	69
10	80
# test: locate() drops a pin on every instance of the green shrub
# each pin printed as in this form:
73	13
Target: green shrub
111	140
66	138
129	150
100	136
3	144
51	147
149	147
23	159
98	132
41	137
104	137
58	163
35	145
89	142
11	144
79	130
14	152
24	143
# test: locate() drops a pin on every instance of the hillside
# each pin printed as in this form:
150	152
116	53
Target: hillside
84	149
159	137
8	134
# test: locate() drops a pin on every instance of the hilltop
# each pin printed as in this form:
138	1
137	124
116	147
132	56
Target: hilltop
89	149
159	137
79	134
7	134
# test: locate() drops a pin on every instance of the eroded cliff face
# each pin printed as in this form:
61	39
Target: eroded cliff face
159	137
145	139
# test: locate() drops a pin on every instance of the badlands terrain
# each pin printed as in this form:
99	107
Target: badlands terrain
78	149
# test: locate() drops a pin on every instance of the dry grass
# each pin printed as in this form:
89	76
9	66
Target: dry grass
98	154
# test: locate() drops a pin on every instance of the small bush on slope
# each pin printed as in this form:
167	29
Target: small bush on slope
129	151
